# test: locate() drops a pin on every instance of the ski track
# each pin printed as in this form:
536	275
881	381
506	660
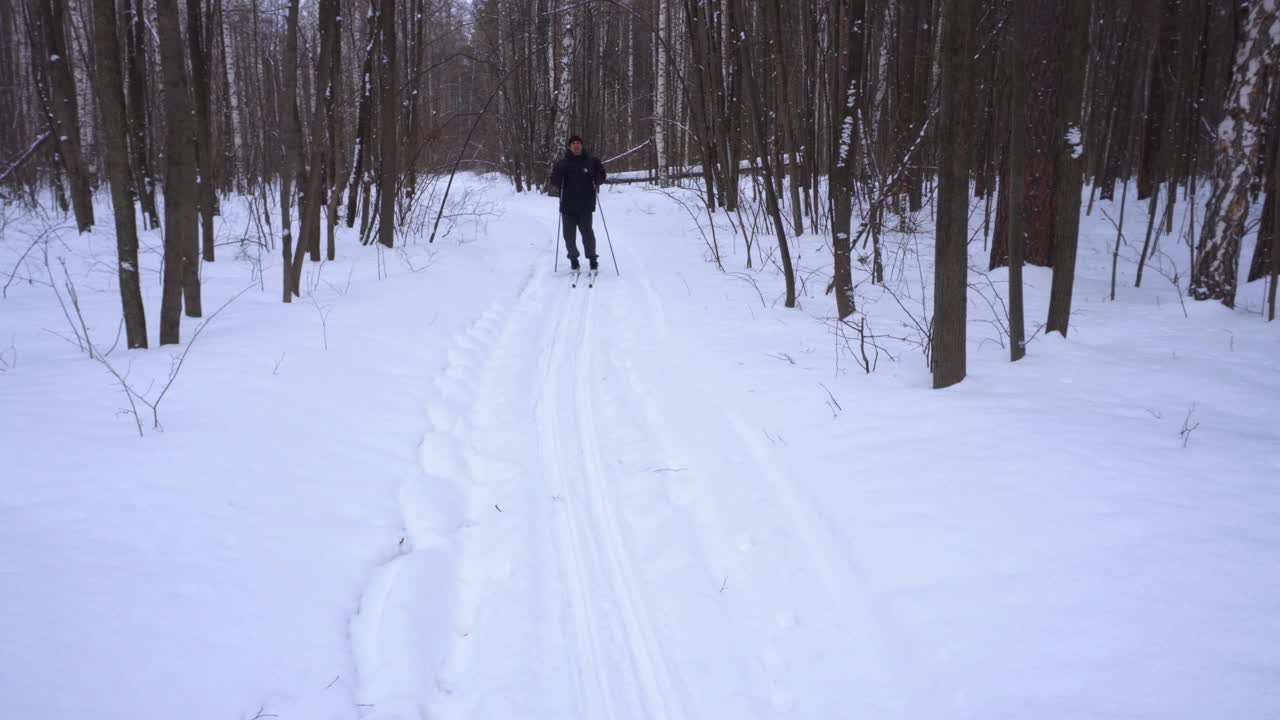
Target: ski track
621	669
538	538
597	486
615	552
868	640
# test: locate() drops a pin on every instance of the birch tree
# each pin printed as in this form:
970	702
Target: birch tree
660	94
564	88
1238	142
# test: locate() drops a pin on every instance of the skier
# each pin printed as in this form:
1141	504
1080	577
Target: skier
576	178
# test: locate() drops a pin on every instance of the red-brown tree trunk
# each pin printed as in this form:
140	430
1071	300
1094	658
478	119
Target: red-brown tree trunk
1040	120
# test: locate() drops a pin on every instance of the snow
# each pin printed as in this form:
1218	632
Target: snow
667	496
1075	140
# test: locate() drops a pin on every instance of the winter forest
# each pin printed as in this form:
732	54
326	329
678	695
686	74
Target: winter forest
931	369
324	114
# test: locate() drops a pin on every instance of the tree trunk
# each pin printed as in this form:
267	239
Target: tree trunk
1153	121
413	120
1038	172
1020	88
1114	121
287	111
660	94
908	24
312	196
1275	232
111	103
224	163
755	111
787	143
335	177
364	122
388	130
198	45
846	40
951	249
144	180
1068	140
1235	156
507	122
63	111
1264	252
702	104
181	238
562	97
727	105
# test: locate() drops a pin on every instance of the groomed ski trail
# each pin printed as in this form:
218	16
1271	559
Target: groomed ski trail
618	626
611	566
544	564
828	603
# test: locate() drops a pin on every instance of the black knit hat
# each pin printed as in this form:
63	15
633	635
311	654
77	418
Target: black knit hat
573	139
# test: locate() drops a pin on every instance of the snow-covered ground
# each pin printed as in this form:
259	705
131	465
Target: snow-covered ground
445	484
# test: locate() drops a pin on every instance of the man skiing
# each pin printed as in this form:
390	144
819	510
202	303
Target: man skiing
577	176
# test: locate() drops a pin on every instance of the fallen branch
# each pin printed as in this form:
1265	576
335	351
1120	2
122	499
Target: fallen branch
26	155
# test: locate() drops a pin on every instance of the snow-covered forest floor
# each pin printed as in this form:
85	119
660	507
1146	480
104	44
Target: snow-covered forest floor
445	484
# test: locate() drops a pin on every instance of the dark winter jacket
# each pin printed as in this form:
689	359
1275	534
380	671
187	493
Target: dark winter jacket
576	177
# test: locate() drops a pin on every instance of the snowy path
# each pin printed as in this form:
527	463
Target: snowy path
632	547
666	496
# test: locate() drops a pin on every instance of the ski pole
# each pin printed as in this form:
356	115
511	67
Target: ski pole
606	235
556	267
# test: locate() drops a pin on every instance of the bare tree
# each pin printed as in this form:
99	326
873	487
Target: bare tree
292	137
951	249
755	110
846	40
62	109
144	180
364	113
198	45
181	238
336	178
1017	154
312	194
1057	95
1069	141
787	144
111	103
387	130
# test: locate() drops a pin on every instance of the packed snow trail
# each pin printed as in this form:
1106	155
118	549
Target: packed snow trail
666	496
632	547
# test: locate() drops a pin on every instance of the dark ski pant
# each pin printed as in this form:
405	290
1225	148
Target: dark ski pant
572	224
